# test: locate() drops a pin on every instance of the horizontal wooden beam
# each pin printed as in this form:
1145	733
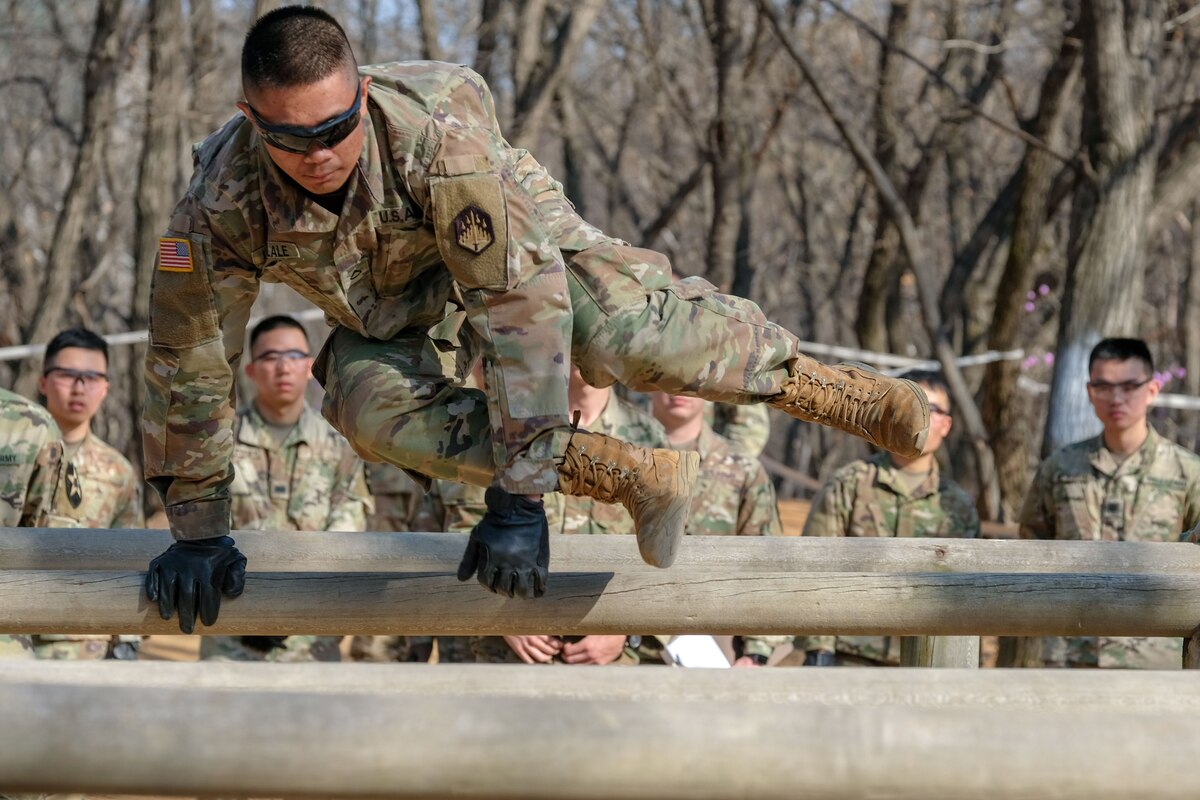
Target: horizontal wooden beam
1067	691
716	600
191	741
131	550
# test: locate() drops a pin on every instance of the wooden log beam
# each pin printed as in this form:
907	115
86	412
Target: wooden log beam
1126	691
269	551
139	740
715	600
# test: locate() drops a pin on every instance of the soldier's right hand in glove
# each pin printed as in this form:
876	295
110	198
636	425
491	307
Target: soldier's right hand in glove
509	549
192	575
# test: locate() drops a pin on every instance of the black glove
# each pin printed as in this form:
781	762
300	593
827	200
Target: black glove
192	575
819	658
510	547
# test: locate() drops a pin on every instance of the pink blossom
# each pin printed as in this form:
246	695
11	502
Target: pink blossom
1043	290
1029	306
1048	358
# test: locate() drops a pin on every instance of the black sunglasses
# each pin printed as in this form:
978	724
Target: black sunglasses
297	139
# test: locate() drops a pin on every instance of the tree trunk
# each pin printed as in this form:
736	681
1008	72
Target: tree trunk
367	11
724	144
430	49
488	38
882	275
100	79
1122	45
1002	406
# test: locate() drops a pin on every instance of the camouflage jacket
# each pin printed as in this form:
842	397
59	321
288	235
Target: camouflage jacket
1082	492
111	488
32	468
436	187
866	498
734	496
747	427
312	482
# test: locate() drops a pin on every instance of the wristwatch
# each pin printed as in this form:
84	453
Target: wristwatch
633	642
757	658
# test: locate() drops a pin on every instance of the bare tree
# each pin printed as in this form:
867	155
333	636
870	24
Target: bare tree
100	80
1122	44
431	50
1002	408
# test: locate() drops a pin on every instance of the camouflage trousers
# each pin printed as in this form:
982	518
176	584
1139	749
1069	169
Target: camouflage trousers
390	649
15	645
1109	652
260	648
404	401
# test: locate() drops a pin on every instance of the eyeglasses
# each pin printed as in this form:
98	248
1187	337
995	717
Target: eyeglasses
1106	389
298	139
273	357
65	376
934	408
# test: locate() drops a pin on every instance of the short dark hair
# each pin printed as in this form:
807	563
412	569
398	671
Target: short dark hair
275	322
75	337
932	378
1119	349
294	46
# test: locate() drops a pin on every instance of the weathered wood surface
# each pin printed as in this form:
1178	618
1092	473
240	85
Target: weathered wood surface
189	741
1067	691
715	600
269	551
940	651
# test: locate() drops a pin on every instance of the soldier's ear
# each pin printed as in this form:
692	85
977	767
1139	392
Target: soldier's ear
366	84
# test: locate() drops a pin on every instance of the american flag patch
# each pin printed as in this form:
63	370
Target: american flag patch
174	255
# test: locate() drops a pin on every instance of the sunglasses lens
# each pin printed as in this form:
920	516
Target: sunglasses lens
294	143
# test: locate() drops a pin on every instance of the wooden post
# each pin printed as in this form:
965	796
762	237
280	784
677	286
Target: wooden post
1153	693
940	651
713	600
191	741
298	551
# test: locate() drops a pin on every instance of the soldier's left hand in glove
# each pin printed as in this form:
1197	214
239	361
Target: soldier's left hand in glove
510	547
192	575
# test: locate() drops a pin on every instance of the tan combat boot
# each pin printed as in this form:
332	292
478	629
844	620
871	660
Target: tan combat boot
655	486
888	412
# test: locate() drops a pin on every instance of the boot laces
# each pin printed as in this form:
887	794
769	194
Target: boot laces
605	481
826	400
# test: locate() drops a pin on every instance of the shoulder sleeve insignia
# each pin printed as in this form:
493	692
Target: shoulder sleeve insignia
74	486
174	255
473	229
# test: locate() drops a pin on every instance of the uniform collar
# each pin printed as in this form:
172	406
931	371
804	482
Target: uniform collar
1104	462
253	430
887	475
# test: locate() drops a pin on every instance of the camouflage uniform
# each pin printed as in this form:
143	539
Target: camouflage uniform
733	497
396	498
109	491
569	514
311	481
747	427
1083	492
868	498
32	480
450	244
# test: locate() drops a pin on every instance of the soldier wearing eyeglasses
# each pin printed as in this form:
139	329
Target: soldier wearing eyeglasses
888	495
103	490
292	472
1127	484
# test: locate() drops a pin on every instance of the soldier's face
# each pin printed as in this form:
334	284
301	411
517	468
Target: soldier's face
940	420
321	170
672	410
72	390
280	366
1121	393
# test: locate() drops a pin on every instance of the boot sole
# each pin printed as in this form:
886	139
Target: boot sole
660	545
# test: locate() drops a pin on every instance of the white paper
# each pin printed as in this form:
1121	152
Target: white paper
697	651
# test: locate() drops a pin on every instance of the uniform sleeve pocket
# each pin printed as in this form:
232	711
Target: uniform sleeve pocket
182	311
